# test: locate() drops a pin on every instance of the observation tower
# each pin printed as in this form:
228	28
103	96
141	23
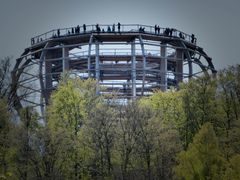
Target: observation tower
132	60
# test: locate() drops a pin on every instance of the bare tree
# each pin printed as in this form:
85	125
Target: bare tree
4	77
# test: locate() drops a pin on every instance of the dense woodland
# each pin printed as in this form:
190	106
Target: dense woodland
192	133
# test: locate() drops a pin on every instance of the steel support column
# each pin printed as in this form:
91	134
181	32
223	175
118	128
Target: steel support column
97	68
179	66
89	55
65	59
163	67
144	64
41	60
51	54
186	52
133	68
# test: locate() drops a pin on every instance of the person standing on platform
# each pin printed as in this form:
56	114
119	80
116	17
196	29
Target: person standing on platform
192	38
158	30
108	29
98	28
32	41
84	28
171	32
181	35
113	28
119	27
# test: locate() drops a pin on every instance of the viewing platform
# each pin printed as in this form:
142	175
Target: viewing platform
113	29
129	60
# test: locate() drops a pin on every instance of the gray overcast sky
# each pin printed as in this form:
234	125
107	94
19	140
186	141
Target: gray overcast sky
215	23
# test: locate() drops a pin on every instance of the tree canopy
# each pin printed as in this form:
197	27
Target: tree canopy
190	133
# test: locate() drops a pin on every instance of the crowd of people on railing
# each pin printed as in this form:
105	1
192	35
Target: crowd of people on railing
109	29
171	32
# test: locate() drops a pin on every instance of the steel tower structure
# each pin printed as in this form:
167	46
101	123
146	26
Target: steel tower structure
131	59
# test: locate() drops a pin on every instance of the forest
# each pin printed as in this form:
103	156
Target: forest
192	133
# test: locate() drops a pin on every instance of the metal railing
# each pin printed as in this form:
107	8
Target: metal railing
112	28
118	52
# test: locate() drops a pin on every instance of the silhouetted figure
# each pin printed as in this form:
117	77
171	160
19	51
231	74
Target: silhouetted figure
155	29
103	30
58	32
78	29
72	30
181	36
69	32
167	31
119	27
108	29
113	28
32	41
158	30
98	28
192	38
141	29
171	32
84	28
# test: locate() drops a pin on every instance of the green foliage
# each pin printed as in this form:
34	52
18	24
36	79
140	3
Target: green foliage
23	136
101	135
87	136
67	115
67	107
233	171
4	77
168	128
5	127
228	99
199	105
203	159
169	106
